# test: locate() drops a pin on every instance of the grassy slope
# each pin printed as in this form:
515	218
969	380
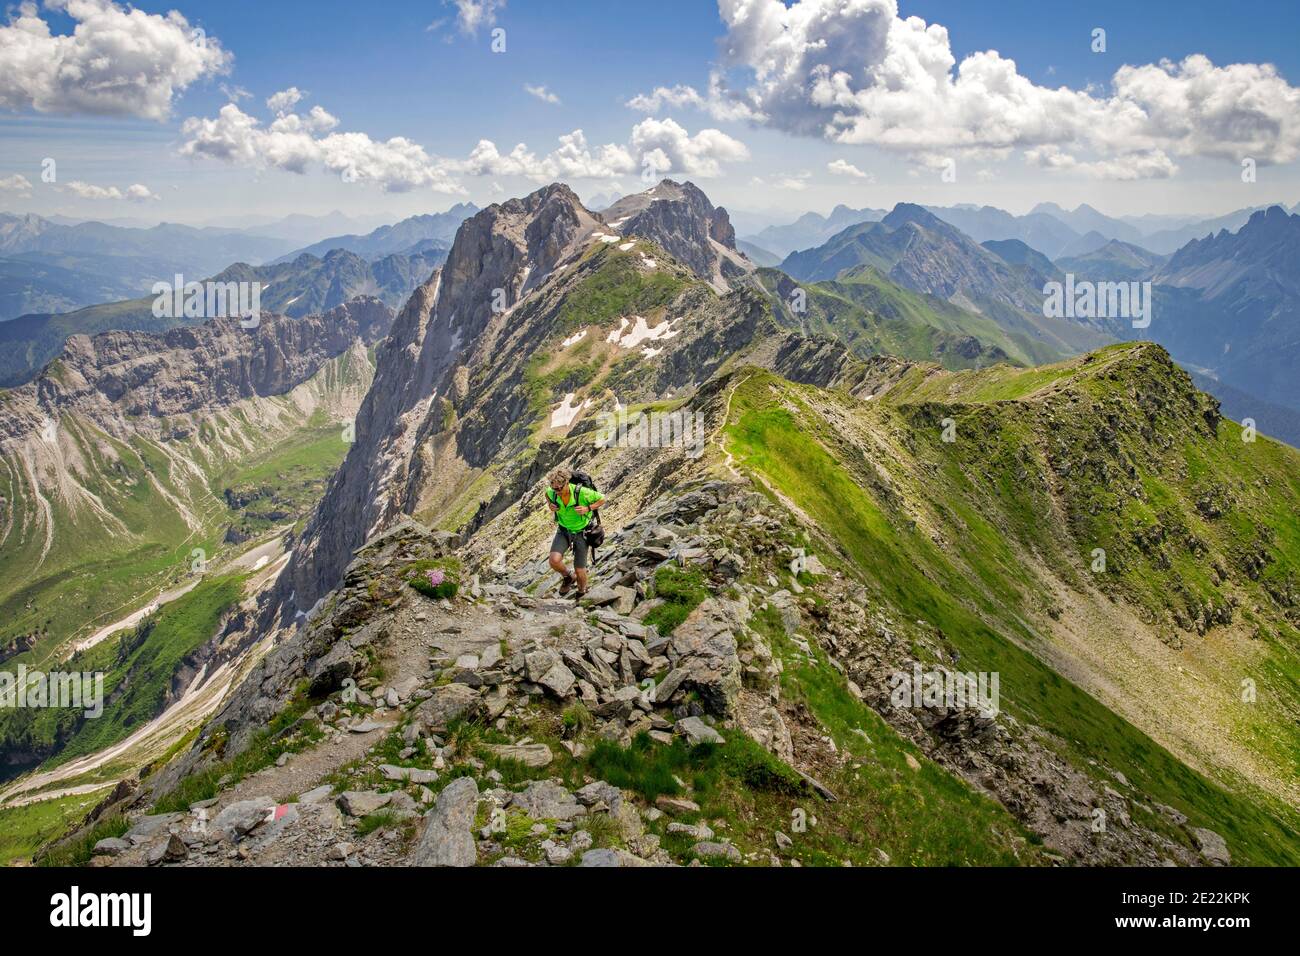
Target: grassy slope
872	315
95	571
138	665
974	588
24	829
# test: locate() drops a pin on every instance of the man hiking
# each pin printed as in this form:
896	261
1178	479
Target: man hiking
573	506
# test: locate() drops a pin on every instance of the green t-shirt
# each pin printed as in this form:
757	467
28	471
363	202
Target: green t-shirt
568	516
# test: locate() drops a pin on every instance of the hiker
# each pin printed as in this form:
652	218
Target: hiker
573	506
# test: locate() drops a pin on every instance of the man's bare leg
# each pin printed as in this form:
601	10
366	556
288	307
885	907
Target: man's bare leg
582	578
557	565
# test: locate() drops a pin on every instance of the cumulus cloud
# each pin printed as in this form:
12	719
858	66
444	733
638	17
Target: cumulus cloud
18	184
296	143
284	101
136	192
117	61
840	167
702	155
542	93
855	72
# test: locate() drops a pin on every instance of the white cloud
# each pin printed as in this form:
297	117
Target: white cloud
116	62
663	147
17	183
473	15
284	101
702	155
295	143
855	72
840	167
137	192
542	93
574	159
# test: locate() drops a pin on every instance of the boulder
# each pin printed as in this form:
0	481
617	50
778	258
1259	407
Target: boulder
448	839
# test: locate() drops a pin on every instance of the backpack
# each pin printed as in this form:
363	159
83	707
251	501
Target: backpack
593	534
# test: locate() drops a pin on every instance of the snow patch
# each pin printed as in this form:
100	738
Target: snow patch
574	339
648	262
566	411
626	246
641	332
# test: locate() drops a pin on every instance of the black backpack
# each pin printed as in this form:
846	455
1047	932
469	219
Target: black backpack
593	534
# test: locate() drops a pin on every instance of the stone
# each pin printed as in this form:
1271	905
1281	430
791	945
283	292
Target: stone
408	774
448	839
696	831
362	803
339	851
697	731
601	793
1213	847
171	850
319	795
611	857
716	851
556	855
111	847
243	817
559	680
676	805
783	841
530	755
447	703
547	800
146	828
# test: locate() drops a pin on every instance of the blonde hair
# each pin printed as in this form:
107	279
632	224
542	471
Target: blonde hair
558	476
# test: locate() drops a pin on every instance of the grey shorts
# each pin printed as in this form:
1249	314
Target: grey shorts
563	539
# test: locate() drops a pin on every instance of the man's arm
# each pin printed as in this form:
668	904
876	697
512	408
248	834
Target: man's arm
593	504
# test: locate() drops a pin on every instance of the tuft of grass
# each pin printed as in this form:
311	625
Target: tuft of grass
682	590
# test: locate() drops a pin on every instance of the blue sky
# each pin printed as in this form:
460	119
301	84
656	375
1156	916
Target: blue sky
379	71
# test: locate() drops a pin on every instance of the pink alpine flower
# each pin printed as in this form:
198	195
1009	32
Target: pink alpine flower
436	577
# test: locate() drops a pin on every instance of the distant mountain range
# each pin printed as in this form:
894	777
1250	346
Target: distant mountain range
811	229
412	236
306	286
917	250
1052	230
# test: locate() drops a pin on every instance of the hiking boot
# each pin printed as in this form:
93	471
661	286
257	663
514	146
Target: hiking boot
567	584
579	595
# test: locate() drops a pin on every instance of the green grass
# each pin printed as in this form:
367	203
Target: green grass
23	830
138	666
972	598
682	590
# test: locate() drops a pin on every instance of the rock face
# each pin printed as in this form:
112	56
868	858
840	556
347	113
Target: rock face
447	840
499	256
126	381
679	218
